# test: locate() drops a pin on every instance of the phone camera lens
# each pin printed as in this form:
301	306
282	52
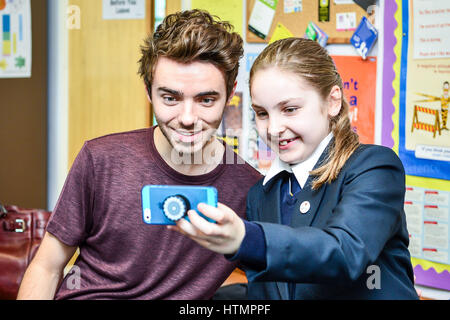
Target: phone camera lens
175	207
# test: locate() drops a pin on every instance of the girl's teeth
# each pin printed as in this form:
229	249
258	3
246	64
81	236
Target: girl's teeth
285	142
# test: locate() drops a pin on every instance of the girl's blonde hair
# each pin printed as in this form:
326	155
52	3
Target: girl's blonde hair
307	59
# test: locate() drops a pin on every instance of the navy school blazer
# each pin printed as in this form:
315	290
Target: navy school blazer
351	244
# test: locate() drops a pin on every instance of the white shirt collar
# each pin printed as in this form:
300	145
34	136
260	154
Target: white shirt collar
301	170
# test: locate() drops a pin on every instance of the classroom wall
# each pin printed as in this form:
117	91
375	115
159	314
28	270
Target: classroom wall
105	93
23	125
94	82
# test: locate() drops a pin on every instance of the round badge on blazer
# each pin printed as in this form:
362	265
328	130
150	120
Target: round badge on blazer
304	207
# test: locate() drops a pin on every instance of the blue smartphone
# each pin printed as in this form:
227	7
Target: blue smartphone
164	205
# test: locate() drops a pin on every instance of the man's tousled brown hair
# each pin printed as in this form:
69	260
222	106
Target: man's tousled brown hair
189	36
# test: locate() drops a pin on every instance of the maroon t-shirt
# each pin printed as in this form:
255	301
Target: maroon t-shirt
121	257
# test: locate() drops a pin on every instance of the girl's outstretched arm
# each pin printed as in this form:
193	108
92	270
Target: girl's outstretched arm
225	236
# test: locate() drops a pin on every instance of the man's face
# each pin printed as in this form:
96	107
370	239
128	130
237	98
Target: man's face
188	100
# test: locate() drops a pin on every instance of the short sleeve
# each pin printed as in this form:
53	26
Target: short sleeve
72	217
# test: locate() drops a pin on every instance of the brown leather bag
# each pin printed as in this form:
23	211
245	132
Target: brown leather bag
21	233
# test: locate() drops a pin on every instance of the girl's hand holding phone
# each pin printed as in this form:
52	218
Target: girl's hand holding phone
225	236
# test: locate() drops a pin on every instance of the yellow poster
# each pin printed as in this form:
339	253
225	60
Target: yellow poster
231	11
424	133
280	32
421	135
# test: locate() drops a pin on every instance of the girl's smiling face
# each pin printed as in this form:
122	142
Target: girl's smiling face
291	116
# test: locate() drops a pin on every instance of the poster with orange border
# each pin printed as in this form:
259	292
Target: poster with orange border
359	81
427	257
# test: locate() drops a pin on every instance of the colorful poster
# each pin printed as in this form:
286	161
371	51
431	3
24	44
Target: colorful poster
421	190
427	216
230	10
359	81
15	39
430	21
427	210
424	145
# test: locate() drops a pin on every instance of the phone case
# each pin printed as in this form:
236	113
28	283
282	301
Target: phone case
161	203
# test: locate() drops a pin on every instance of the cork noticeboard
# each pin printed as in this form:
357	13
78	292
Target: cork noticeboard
297	22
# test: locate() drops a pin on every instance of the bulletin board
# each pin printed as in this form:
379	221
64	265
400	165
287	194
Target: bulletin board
427	198
297	22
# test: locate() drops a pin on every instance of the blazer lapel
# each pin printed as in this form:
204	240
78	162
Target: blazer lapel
308	200
270	206
270	212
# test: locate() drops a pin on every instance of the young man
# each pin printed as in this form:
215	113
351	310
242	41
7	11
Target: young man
189	66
